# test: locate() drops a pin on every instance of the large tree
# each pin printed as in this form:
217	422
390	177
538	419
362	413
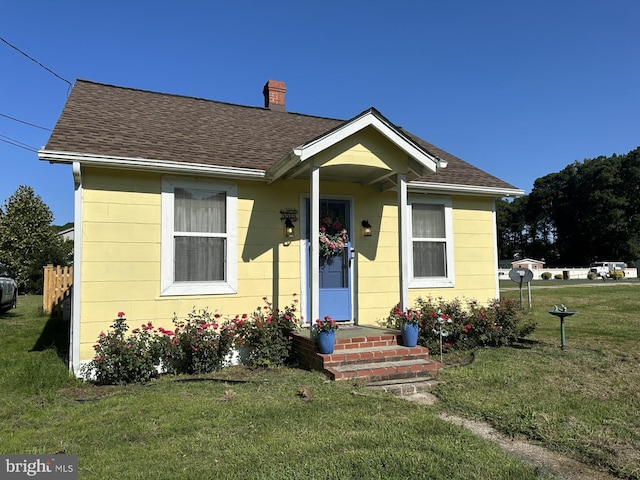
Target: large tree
589	210
511	227
27	241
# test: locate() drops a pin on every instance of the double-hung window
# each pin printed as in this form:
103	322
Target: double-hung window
199	240
431	243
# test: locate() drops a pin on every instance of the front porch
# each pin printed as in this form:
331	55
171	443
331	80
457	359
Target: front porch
367	354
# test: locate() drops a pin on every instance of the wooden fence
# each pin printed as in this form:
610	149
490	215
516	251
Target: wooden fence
57	287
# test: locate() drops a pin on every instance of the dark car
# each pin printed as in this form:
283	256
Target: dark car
8	290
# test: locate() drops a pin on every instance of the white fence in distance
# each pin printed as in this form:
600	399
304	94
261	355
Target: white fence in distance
574	273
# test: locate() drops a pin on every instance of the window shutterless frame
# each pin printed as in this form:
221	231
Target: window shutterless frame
187	237
431	242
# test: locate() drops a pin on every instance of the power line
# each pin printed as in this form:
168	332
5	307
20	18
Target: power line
37	62
16	143
26	123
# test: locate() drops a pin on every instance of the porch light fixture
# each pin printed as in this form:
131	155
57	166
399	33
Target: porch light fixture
288	228
288	216
366	228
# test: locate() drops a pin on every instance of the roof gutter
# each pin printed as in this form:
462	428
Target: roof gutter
282	166
464	189
166	166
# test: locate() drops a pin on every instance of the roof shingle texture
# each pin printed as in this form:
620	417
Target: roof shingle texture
115	121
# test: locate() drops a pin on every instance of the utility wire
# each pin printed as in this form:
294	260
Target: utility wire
37	62
26	123
16	143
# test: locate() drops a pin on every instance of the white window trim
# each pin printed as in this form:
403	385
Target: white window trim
167	285
433	282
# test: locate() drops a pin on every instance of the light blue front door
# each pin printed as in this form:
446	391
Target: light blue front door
335	271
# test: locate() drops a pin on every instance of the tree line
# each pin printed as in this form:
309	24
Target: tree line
28	241
588	211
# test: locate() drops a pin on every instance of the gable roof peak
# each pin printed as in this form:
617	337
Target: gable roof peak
103	124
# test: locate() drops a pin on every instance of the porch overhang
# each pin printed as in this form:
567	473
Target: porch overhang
298	162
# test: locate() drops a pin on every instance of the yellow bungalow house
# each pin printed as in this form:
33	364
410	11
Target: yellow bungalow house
183	202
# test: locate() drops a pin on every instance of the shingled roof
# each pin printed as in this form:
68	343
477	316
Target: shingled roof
107	120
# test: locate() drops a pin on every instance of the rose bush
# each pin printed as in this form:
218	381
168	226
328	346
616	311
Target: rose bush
121	358
198	344
267	333
453	324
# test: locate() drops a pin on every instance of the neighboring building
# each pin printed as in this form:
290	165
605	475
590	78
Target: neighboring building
66	234
183	202
531	264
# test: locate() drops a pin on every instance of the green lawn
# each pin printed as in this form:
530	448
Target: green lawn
583	401
236	424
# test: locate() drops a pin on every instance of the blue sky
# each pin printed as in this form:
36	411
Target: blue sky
518	88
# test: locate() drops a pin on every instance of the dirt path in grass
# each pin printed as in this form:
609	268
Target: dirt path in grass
553	463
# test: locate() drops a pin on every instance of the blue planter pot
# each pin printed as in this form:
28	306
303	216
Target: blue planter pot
326	341
409	334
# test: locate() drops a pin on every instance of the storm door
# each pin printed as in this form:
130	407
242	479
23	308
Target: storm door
335	258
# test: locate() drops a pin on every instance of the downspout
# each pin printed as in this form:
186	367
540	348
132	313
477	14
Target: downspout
74	337
495	247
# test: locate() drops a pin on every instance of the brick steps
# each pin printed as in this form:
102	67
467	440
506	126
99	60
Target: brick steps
369	358
388	353
392	370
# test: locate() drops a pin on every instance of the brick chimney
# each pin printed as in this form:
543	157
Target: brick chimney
274	95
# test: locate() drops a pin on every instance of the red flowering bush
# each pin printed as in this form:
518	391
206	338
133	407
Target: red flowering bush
397	317
267	333
456	325
121	358
501	323
198	344
471	325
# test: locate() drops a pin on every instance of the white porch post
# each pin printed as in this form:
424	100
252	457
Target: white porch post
315	247
403	241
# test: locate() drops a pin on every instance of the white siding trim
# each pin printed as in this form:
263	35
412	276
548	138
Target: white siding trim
74	336
495	247
310	149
